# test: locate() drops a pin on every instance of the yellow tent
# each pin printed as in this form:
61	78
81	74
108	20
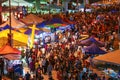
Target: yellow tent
19	39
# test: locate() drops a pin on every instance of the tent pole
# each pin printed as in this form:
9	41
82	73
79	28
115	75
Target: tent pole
10	33
32	36
10	14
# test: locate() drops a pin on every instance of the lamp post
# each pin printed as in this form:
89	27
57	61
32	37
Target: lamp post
10	33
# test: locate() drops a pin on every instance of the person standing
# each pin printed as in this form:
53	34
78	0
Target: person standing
46	66
2	66
0	77
39	73
27	76
43	66
49	69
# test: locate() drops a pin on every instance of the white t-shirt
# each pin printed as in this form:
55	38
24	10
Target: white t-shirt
43	50
30	60
84	69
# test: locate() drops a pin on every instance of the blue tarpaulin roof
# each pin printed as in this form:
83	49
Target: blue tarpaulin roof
7	27
29	31
91	40
52	21
94	49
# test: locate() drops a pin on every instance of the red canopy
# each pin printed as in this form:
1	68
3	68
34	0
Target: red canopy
8	50
12	56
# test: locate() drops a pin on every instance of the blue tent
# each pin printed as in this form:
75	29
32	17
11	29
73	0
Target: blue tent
6	27
94	49
52	21
41	25
64	28
18	69
55	20
91	40
29	31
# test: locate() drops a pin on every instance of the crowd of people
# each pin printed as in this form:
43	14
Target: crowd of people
66	56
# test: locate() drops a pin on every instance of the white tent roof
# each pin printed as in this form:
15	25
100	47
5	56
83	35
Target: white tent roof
14	23
17	3
41	2
7	3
